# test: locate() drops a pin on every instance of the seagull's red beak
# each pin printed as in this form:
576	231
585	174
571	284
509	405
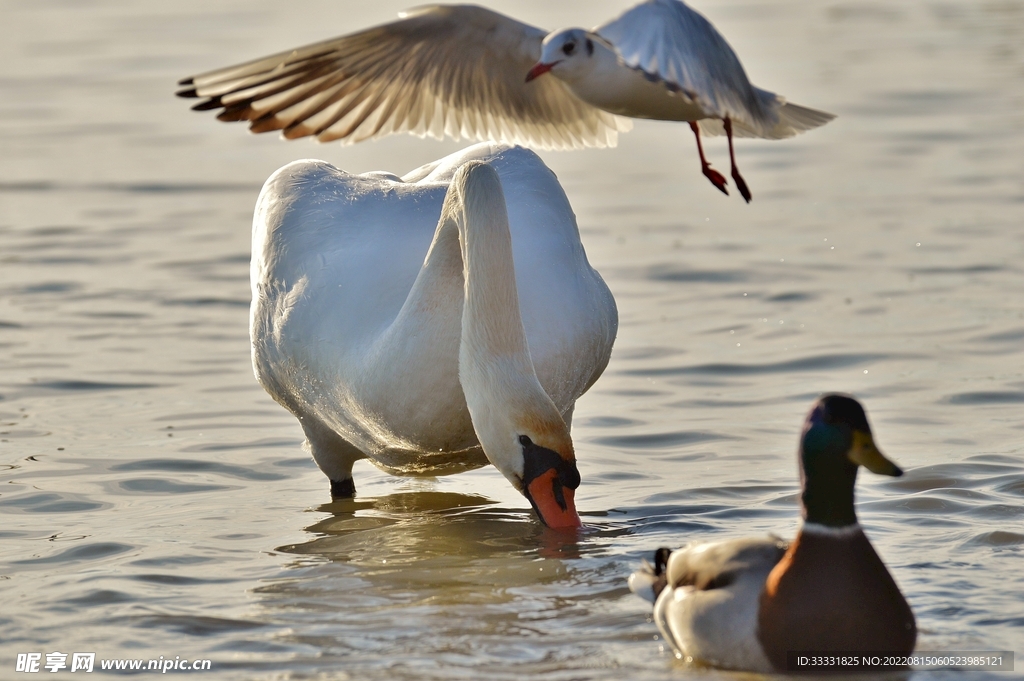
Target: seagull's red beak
539	69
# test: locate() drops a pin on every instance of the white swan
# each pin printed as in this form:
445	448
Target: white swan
459	70
433	323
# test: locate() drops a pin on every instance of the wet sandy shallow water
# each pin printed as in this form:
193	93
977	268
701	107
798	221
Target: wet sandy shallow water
155	501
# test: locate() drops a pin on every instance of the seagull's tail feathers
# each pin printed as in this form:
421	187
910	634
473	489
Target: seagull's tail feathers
795	119
789	120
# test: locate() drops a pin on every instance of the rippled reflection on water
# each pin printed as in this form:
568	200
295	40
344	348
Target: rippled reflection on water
155	501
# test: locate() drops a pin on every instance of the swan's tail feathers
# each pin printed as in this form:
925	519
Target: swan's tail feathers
649	581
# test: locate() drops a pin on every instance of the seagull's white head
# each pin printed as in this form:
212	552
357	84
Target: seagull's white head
563	52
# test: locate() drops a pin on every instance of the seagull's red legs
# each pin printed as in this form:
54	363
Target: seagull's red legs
740	184
716	177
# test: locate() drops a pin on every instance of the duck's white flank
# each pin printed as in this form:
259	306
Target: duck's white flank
709	608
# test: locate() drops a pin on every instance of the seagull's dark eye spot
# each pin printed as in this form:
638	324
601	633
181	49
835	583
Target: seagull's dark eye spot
568	48
525	441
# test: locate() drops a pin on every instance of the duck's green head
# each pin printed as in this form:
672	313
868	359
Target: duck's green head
836	441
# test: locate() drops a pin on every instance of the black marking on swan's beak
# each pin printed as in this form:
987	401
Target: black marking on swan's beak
549	482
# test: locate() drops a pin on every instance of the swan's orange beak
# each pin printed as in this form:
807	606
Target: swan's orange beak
539	69
553	501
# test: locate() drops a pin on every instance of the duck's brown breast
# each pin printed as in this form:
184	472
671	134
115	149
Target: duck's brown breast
832	593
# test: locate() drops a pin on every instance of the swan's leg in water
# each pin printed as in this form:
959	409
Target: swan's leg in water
345	489
716	177
333	455
740	184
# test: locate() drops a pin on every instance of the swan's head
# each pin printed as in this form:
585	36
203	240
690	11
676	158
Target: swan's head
527	440
550	478
535	453
563	53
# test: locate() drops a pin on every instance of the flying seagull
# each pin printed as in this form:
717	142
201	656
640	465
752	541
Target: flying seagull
468	72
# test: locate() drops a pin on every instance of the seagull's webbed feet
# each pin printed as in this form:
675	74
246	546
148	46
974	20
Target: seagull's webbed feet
716	177
740	184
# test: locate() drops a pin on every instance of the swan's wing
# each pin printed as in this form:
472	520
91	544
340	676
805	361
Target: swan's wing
440	70
672	43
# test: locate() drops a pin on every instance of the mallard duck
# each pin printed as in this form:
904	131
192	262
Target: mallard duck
431	324
745	603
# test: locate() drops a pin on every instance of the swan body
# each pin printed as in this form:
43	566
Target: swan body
432	323
468	72
746	603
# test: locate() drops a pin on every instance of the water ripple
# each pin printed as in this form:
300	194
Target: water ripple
987	397
658	440
815	363
75	554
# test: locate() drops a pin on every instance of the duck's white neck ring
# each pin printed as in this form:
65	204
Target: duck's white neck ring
819	530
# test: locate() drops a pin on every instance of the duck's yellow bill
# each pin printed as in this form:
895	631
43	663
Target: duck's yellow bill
865	453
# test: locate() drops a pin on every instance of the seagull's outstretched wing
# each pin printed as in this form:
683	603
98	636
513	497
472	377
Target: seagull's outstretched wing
453	70
672	43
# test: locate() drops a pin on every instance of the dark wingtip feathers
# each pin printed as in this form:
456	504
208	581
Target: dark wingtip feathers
235	112
189	93
186	81
212	103
266	124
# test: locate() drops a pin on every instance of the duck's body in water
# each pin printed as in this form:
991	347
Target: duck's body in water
750	603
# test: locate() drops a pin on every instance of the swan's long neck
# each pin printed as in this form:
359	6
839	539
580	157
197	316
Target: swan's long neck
492	325
495	366
504	396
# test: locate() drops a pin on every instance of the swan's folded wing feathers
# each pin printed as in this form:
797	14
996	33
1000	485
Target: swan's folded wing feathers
671	43
455	70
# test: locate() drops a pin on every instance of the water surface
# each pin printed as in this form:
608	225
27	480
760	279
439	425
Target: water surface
156	501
